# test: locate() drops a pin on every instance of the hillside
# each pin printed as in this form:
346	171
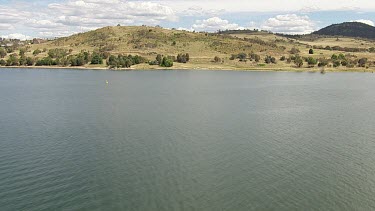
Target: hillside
232	50
348	29
149	41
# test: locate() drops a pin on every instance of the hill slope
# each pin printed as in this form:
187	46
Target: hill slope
149	41
232	50
348	29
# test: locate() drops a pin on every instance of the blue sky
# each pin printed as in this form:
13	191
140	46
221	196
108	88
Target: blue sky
56	18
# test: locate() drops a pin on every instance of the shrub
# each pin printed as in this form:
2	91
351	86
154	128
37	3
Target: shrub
182	58
22	52
57	53
12	61
344	62
298	62
311	62
36	52
336	63
254	57
294	50
96	59
153	62
269	60
322	62
311	51
362	62
3	53
341	56
217	59
29	61
242	56
167	62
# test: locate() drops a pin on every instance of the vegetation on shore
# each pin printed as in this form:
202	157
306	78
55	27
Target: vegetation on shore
142	47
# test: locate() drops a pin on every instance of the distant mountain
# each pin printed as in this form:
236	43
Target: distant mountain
348	29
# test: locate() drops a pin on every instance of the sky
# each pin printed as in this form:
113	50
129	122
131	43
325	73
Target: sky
23	19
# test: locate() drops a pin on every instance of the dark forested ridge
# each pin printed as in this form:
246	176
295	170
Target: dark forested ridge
349	29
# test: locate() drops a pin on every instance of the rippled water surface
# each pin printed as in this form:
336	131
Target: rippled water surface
186	140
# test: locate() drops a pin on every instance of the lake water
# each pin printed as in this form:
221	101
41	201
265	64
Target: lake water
186	140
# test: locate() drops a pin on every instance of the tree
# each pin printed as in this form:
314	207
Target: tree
217	59
166	62
242	56
311	62
36	52
336	63
96	59
2	62
298	61
257	58
174	43
322	62
22	52
344	62
12	61
182	58
311	51
283	58
341	56
270	59
3	53
159	58
29	61
362	62
22	61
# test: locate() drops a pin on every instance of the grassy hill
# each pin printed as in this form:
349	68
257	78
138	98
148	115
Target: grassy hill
204	47
149	41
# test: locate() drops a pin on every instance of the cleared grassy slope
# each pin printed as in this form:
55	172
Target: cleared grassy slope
202	47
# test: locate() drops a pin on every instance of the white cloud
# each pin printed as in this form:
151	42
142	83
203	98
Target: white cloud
185	29
56	19
6	26
16	36
214	24
368	22
43	24
198	11
273	5
289	24
9	17
97	13
67	16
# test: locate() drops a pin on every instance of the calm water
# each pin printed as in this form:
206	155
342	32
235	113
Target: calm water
186	140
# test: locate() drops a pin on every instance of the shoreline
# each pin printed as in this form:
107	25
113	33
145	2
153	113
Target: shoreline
135	68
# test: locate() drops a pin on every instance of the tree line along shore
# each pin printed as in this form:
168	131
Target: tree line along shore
64	58
144	47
